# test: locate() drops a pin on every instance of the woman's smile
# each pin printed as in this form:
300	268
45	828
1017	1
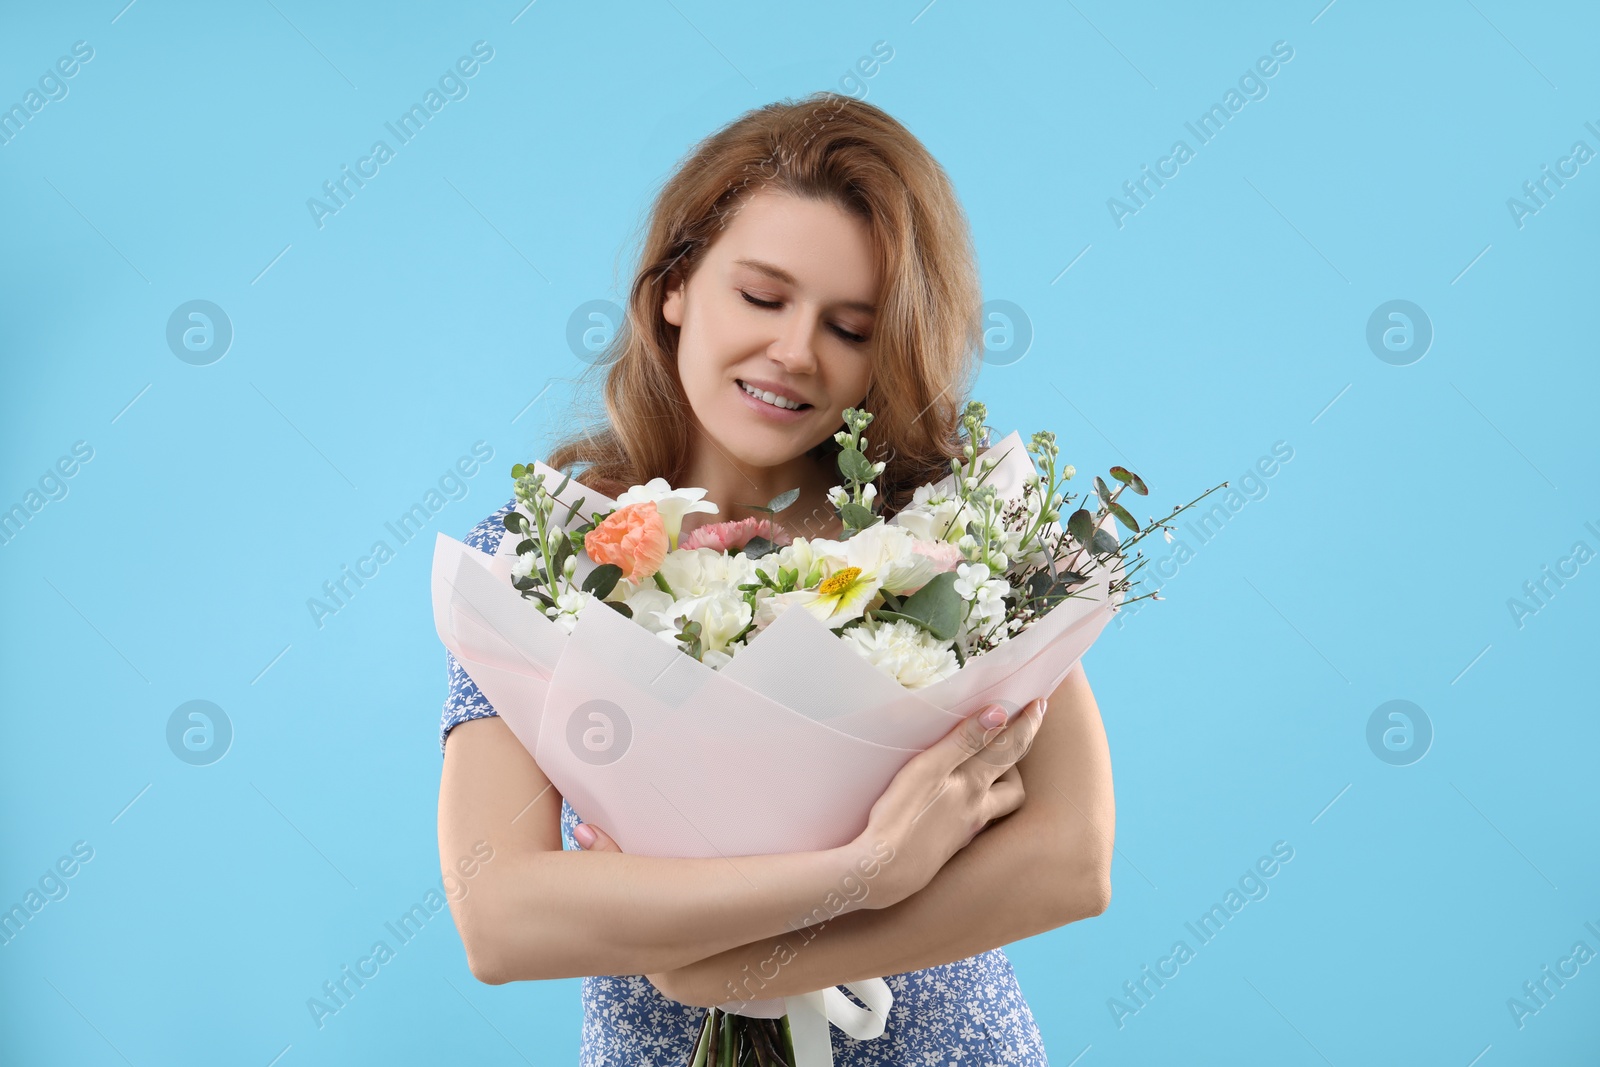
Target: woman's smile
771	403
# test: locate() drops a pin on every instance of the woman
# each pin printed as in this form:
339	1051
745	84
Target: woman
809	257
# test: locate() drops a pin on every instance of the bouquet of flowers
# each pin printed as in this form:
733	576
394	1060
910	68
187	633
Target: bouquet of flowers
661	666
951	576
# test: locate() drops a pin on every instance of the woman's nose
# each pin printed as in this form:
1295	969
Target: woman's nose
795	347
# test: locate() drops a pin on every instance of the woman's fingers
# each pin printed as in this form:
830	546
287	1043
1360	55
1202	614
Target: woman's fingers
593	839
1003	746
1003	797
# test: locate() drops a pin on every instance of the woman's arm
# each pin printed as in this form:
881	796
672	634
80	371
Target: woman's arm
1045	865
537	911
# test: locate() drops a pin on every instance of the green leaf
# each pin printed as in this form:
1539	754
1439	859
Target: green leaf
854	466
1081	526
757	547
936	606
562	487
1123	517
602	580
856	516
1105	541
515	521
563	550
518	471
1130	479
525	546
620	607
573	510
1101	488
783	500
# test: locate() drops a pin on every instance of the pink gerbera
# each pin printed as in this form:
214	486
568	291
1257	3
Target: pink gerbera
733	536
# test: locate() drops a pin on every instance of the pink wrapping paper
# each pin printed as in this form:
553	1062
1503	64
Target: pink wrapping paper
783	750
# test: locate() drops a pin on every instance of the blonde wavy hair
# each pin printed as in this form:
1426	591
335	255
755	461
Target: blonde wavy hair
928	332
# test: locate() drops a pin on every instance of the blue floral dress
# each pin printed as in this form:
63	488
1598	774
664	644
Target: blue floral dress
969	1013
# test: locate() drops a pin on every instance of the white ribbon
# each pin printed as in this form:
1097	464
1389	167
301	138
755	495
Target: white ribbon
811	1013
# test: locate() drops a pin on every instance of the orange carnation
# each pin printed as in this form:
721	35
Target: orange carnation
633	537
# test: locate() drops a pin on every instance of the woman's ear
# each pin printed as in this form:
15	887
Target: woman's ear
672	305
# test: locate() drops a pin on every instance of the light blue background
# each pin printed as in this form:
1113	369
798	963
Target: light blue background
1227	315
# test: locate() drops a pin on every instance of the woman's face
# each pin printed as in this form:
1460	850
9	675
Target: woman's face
781	303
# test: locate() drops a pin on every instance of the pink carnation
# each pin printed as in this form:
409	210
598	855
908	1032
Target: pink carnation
733	536
945	556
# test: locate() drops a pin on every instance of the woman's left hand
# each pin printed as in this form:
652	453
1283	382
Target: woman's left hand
664	981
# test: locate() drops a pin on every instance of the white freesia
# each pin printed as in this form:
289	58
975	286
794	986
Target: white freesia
935	516
673	504
906	652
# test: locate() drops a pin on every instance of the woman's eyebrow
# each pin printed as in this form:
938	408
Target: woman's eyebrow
772	270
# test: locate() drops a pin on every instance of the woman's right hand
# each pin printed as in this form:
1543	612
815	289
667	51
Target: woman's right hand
940	800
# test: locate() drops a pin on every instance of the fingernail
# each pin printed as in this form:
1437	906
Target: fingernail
583	835
995	716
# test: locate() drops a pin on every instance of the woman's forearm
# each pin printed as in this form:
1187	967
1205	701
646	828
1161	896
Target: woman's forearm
623	914
534	911
1045	865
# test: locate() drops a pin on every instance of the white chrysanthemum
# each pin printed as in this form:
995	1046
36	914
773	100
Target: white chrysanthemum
673	504
905	651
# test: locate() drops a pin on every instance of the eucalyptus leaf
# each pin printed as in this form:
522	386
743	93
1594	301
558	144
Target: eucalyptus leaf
857	516
854	466
1122	516
1105	541
602	580
563	486
783	500
1101	488
1081	526
1130	479
620	607
757	547
937	606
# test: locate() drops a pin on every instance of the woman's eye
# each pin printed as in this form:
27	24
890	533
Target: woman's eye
853	338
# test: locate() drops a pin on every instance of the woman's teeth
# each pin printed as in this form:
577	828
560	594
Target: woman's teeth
772	398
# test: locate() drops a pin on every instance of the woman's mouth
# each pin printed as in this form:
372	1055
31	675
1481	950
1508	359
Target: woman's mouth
773	405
